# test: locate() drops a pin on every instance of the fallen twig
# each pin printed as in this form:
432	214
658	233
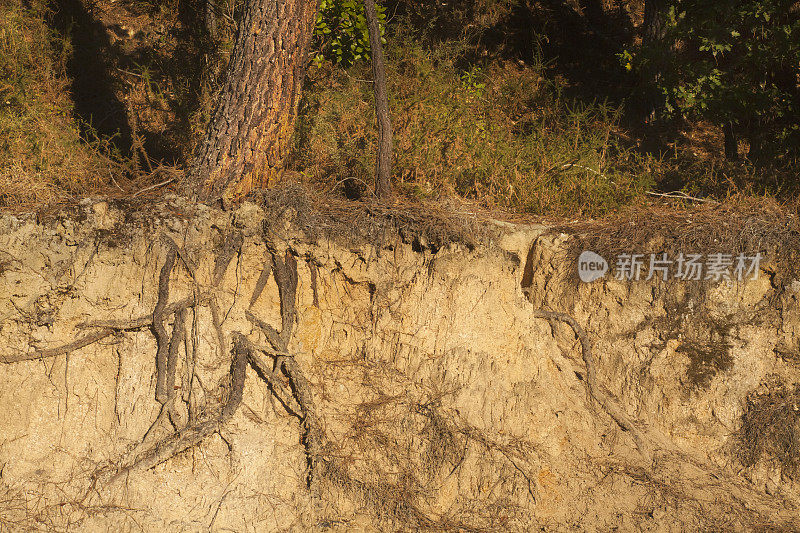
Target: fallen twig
678	195
151	187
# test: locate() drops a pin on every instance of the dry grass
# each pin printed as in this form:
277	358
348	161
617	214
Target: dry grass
47	155
42	157
739	225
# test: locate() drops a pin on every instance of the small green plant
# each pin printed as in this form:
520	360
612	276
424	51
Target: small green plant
342	33
473	80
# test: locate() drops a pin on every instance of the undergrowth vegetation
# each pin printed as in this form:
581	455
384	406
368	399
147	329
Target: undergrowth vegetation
483	103
500	134
42	156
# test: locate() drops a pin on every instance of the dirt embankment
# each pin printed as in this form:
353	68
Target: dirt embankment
190	369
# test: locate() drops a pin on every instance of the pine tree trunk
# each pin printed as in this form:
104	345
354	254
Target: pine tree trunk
251	128
383	166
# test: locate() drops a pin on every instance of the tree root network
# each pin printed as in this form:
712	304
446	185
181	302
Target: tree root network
282	375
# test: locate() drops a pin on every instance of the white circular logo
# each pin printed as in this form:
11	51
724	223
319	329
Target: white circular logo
591	266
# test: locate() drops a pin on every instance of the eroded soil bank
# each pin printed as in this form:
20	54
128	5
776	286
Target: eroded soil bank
189	369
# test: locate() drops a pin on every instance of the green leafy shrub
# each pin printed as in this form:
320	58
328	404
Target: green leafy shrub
735	63
342	33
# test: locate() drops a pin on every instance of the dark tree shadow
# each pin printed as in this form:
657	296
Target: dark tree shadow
578	46
97	108
185	68
93	65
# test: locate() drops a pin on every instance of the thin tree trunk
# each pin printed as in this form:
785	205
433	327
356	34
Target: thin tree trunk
383	166
211	18
653	34
251	128
655	20
730	142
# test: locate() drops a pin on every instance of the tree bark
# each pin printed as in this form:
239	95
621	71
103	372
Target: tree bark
210	18
653	35
655	20
730	142
383	165
251	128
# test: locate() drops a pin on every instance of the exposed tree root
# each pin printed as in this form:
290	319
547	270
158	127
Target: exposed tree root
231	246
284	377
261	283
294	395
108	328
606	402
178	338
285	272
194	432
60	350
271	376
158	326
393	501
147	320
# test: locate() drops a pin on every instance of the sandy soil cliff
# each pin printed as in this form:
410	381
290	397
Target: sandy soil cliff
420	386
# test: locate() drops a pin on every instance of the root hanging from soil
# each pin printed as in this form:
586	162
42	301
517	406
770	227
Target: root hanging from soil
107	328
285	272
77	344
192	435
273	363
283	377
603	398
159	329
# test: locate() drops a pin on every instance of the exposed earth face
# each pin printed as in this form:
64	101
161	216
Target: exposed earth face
418	386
